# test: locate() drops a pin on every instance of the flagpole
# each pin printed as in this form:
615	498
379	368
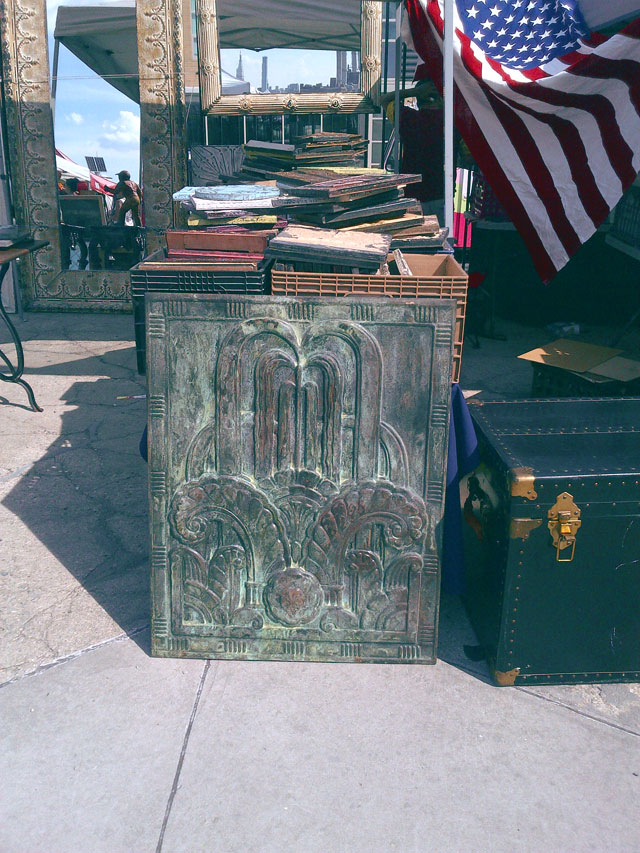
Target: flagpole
449	165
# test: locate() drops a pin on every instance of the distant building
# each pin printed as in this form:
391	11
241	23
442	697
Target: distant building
353	78
239	71
355	60
265	78
341	67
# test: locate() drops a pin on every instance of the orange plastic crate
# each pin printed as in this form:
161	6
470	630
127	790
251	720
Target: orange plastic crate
435	277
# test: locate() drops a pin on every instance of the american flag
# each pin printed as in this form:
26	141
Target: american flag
551	113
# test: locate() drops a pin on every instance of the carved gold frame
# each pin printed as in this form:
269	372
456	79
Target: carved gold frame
25	80
215	103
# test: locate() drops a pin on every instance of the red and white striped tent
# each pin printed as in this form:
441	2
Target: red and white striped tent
69	169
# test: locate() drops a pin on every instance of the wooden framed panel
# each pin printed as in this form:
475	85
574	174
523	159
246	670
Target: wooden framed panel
25	80
215	103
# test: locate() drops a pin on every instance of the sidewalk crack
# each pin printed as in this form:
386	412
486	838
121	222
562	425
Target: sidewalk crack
579	712
185	742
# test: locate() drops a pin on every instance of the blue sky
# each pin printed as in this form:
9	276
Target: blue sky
285	66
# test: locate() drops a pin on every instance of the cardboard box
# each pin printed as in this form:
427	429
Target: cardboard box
568	367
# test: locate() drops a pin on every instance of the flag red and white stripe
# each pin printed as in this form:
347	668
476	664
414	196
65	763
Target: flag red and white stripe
559	144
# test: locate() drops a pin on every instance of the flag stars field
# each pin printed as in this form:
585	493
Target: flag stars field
558	28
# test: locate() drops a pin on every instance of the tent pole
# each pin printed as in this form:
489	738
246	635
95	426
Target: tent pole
396	81
448	115
54	78
385	79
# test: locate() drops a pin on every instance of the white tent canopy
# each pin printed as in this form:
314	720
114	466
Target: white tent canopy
104	38
69	169
306	24
232	86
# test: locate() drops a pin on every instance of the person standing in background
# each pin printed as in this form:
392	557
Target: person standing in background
132	195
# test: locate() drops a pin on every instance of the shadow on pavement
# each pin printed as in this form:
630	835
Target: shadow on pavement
85	499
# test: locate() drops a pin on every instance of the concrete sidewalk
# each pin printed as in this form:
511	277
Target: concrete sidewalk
106	749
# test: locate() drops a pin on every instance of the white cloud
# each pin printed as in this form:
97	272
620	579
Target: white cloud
116	139
124	132
76	118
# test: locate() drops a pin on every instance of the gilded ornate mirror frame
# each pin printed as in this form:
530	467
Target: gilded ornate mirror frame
215	103
26	89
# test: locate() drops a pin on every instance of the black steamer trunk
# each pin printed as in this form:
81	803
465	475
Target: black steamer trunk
552	546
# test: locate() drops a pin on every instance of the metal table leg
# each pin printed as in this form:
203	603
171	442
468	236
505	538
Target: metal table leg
15	373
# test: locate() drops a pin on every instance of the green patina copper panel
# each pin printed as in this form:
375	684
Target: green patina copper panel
297	461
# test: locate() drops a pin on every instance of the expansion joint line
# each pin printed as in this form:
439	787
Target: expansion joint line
183	751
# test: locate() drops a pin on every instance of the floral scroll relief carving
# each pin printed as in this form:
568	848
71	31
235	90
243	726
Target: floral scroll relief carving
360	560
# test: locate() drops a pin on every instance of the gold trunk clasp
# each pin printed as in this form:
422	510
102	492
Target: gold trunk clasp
506	679
564	521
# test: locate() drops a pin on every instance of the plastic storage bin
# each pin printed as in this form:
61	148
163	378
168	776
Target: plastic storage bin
185	280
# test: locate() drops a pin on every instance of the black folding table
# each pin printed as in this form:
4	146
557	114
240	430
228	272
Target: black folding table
7	255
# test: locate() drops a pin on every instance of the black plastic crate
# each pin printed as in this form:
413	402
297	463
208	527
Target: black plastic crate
183	281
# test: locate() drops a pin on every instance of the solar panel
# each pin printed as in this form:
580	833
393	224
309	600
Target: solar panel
96	164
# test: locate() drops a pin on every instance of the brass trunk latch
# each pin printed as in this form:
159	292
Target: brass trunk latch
564	521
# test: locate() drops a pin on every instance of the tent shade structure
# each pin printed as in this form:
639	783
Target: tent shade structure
104	38
598	13
322	25
333	26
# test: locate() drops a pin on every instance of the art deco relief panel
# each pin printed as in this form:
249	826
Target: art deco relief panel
297	482
25	67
